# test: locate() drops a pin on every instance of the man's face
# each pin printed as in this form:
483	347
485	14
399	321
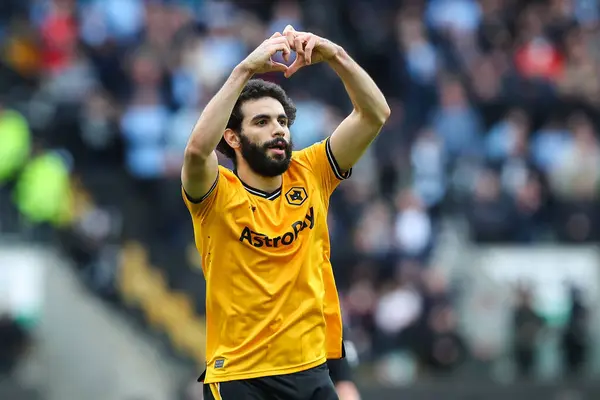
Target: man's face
265	139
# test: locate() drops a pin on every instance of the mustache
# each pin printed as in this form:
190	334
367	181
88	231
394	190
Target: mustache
277	142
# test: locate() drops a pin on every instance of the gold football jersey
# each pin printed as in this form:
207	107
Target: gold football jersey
271	302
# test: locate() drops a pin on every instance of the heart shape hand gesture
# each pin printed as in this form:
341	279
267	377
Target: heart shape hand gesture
309	48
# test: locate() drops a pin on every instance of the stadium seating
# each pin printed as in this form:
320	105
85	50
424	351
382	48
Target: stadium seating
145	288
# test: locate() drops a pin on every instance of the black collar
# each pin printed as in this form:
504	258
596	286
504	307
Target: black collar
260	193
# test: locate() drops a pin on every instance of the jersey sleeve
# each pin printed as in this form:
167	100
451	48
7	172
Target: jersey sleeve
320	160
200	208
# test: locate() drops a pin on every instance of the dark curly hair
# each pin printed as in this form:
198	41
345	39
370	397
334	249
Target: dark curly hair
256	89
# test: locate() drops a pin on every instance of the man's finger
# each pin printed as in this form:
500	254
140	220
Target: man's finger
299	46
290	35
296	65
290	41
277	39
276	66
283	47
285	53
308	49
287	29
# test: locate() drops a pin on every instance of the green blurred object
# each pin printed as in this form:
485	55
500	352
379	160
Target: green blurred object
27	321
15	143
43	191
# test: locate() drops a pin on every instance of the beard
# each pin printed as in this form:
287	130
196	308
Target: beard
258	159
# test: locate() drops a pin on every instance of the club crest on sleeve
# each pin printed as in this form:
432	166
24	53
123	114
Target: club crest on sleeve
296	196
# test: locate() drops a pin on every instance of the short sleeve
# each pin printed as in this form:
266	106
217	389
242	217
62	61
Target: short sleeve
199	208
320	160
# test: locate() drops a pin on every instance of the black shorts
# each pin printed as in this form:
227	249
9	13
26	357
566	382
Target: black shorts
312	384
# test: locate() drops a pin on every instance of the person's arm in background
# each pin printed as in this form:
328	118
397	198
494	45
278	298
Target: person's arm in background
200	165
347	390
340	371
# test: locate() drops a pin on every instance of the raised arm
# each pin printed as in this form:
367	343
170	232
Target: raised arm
200	165
352	137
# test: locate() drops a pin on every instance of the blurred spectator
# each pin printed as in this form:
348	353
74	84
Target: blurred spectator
531	206
537	57
457	17
435	338
456	121
429	166
548	144
491	212
21	49
13	343
221	45
373	235
145	119
397	312
580	80
418	56
16	143
576	174
99	136
421	57
575	180
508	150
508	136
43	192
359	304
527	328
413	227
444	347
59	34
311	120
575	342
106	20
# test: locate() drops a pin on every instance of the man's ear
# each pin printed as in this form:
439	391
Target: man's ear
232	138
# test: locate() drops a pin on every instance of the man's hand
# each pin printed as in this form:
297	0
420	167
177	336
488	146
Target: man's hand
309	48
261	61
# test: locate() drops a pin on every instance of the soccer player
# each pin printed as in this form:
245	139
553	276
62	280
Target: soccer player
272	310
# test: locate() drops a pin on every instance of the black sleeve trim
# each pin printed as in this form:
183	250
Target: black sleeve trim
334	165
201	199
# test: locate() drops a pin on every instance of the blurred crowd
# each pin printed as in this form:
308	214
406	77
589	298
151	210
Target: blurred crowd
494	119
